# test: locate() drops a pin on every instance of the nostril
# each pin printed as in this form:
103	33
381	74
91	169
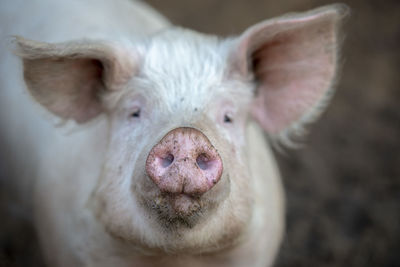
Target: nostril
167	160
203	161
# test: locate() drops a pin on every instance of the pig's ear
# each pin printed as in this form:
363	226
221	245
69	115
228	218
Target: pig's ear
68	78
293	61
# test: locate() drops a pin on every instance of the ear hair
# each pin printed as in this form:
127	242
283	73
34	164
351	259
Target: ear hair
67	78
293	60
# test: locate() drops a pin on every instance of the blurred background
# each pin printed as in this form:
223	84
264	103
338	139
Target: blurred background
343	187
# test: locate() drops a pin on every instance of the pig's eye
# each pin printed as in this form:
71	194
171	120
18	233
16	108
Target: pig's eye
135	113
228	118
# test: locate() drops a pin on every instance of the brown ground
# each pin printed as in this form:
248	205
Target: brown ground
343	188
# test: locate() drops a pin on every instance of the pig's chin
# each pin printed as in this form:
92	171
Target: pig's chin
155	221
179	210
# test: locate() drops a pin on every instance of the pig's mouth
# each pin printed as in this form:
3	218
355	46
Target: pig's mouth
174	210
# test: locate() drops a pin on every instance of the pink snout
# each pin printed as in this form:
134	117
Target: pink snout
184	162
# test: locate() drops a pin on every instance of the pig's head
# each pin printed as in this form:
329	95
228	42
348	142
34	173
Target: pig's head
175	176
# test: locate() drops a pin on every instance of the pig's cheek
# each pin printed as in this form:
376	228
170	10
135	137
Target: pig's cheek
114	203
234	133
121	159
221	190
238	132
142	185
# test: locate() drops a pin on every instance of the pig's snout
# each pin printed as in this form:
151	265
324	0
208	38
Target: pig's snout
184	162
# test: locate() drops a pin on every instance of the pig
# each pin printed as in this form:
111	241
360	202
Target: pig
140	143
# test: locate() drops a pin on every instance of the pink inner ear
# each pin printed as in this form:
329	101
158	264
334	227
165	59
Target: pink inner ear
69	88
294	62
67	78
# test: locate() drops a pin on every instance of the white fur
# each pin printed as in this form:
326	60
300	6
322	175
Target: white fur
65	166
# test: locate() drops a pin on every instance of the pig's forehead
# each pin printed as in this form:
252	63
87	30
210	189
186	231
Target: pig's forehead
186	69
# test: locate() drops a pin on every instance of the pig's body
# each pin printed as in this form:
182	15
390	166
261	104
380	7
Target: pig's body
106	189
59	167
